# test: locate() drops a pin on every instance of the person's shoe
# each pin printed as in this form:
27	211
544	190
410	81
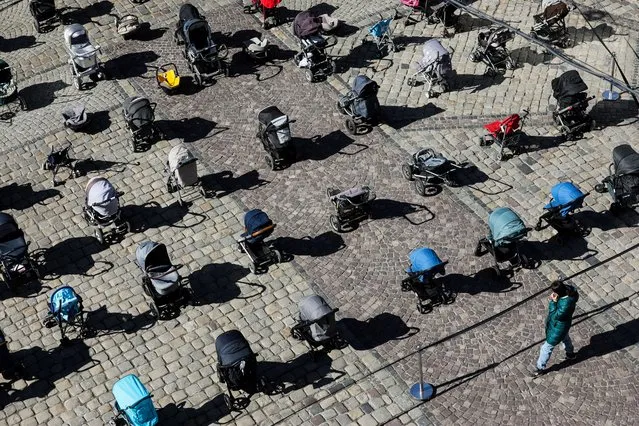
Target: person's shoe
536	372
570	356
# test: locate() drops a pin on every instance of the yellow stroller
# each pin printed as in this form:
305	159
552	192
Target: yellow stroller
168	77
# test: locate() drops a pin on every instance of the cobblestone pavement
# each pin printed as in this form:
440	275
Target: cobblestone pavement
477	351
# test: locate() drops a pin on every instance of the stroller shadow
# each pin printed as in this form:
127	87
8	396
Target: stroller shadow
390	209
225	183
190	129
531	143
77	15
130	65
241	64
73	256
237	39
400	116
286	15
606	221
363	56
97	122
209	413
88	165
146	33
321	148
321	245
187	87
484	281
585	34
560	248
105	323
475	176
151	215
616	113
21	42
474	82
22	196
40	95
467	23
403	41
529	55
218	283
307	369
374	332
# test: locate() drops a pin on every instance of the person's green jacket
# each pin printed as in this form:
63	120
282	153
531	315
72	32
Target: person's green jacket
559	318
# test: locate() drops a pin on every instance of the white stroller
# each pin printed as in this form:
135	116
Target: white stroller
181	168
102	208
435	67
83	55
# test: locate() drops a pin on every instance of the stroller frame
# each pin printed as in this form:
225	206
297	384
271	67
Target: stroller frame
562	224
430	293
164	305
347	212
505	141
431	76
496	58
58	159
575	131
77	323
301	331
7	262
426	11
95	72
99	223
385	39
509	253
46	23
276	158
11	102
354	122
312	47
552	30
260	253
147	132
613	184
424	177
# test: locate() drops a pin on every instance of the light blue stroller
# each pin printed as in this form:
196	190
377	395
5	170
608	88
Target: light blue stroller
133	404
65	311
382	35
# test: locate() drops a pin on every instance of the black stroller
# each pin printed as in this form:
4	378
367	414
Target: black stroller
622	183
565	199
316	324
570	114
257	227
550	25
422	279
313	57
237	366
15	261
10	100
491	50
275	134
506	230
360	104
161	280
59	157
351	207
139	114
44	13
436	11
205	58
429	169
67	312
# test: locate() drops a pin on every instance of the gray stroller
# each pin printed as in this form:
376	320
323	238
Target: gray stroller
316	324
491	50
351	207
360	104
83	56
102	208
274	132
181	168
435	68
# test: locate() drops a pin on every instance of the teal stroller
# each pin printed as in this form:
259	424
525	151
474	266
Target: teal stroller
382	36
133	404
65	311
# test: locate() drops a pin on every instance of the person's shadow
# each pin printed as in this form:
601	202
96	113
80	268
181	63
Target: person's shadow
218	283
321	245
374	332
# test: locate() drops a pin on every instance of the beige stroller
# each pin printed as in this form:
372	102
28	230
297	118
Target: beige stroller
181	168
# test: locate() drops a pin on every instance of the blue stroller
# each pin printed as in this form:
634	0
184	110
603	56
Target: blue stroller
133	403
425	265
16	264
381	34
565	199
65	311
506	231
257	227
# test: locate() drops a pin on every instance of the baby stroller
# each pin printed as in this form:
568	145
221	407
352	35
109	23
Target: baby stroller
133	404
65	311
565	199
83	56
382	36
102	208
506	230
436	11
275	133
622	183
10	100
422	279
572	101
505	134
127	25
16	265
435	67
313	57
268	9
139	114
550	25
44	14
60	157
168	77
181	168
205	58
429	169
75	117
316	324
492	51
161	280
360	104
351	207
257	227
237	366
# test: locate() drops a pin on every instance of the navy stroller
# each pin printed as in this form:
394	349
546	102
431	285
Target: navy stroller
257	227
16	264
312	56
133	403
66	311
422	279
622	183
572	101
316	324
566	198
360	104
506	231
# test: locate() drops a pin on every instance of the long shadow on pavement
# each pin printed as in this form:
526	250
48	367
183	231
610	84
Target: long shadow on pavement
153	215
415	214
73	256
400	116
224	183
22	196
369	334
218	283
105	323
318	246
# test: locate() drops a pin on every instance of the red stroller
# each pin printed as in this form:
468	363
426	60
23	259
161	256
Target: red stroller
267	8
505	133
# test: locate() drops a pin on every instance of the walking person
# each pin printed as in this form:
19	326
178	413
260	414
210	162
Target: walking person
561	307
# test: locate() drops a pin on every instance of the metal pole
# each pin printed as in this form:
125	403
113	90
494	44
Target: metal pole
426	390
612	95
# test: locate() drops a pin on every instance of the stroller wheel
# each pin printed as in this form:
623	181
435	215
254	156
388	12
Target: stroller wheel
229	402
412	82
615	208
23	104
277	256
77	83
335	223
36	26
45	165
270	162
154	310
253	268
134	145
430	94
76	173
331	191
99	235
600	188
479	250
407	172
420	187
340	108
308	75
406	285
197	79
351	126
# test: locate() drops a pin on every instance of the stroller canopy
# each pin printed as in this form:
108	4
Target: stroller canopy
364	87
231	347
268	4
306	24
138	111
254	221
135	401
153	259
315	309
12	241
76	37
188	12
567	196
380	28
505	226
102	197
567	85
433	51
424	259
277	126
179	156
270	115
65	303
626	160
